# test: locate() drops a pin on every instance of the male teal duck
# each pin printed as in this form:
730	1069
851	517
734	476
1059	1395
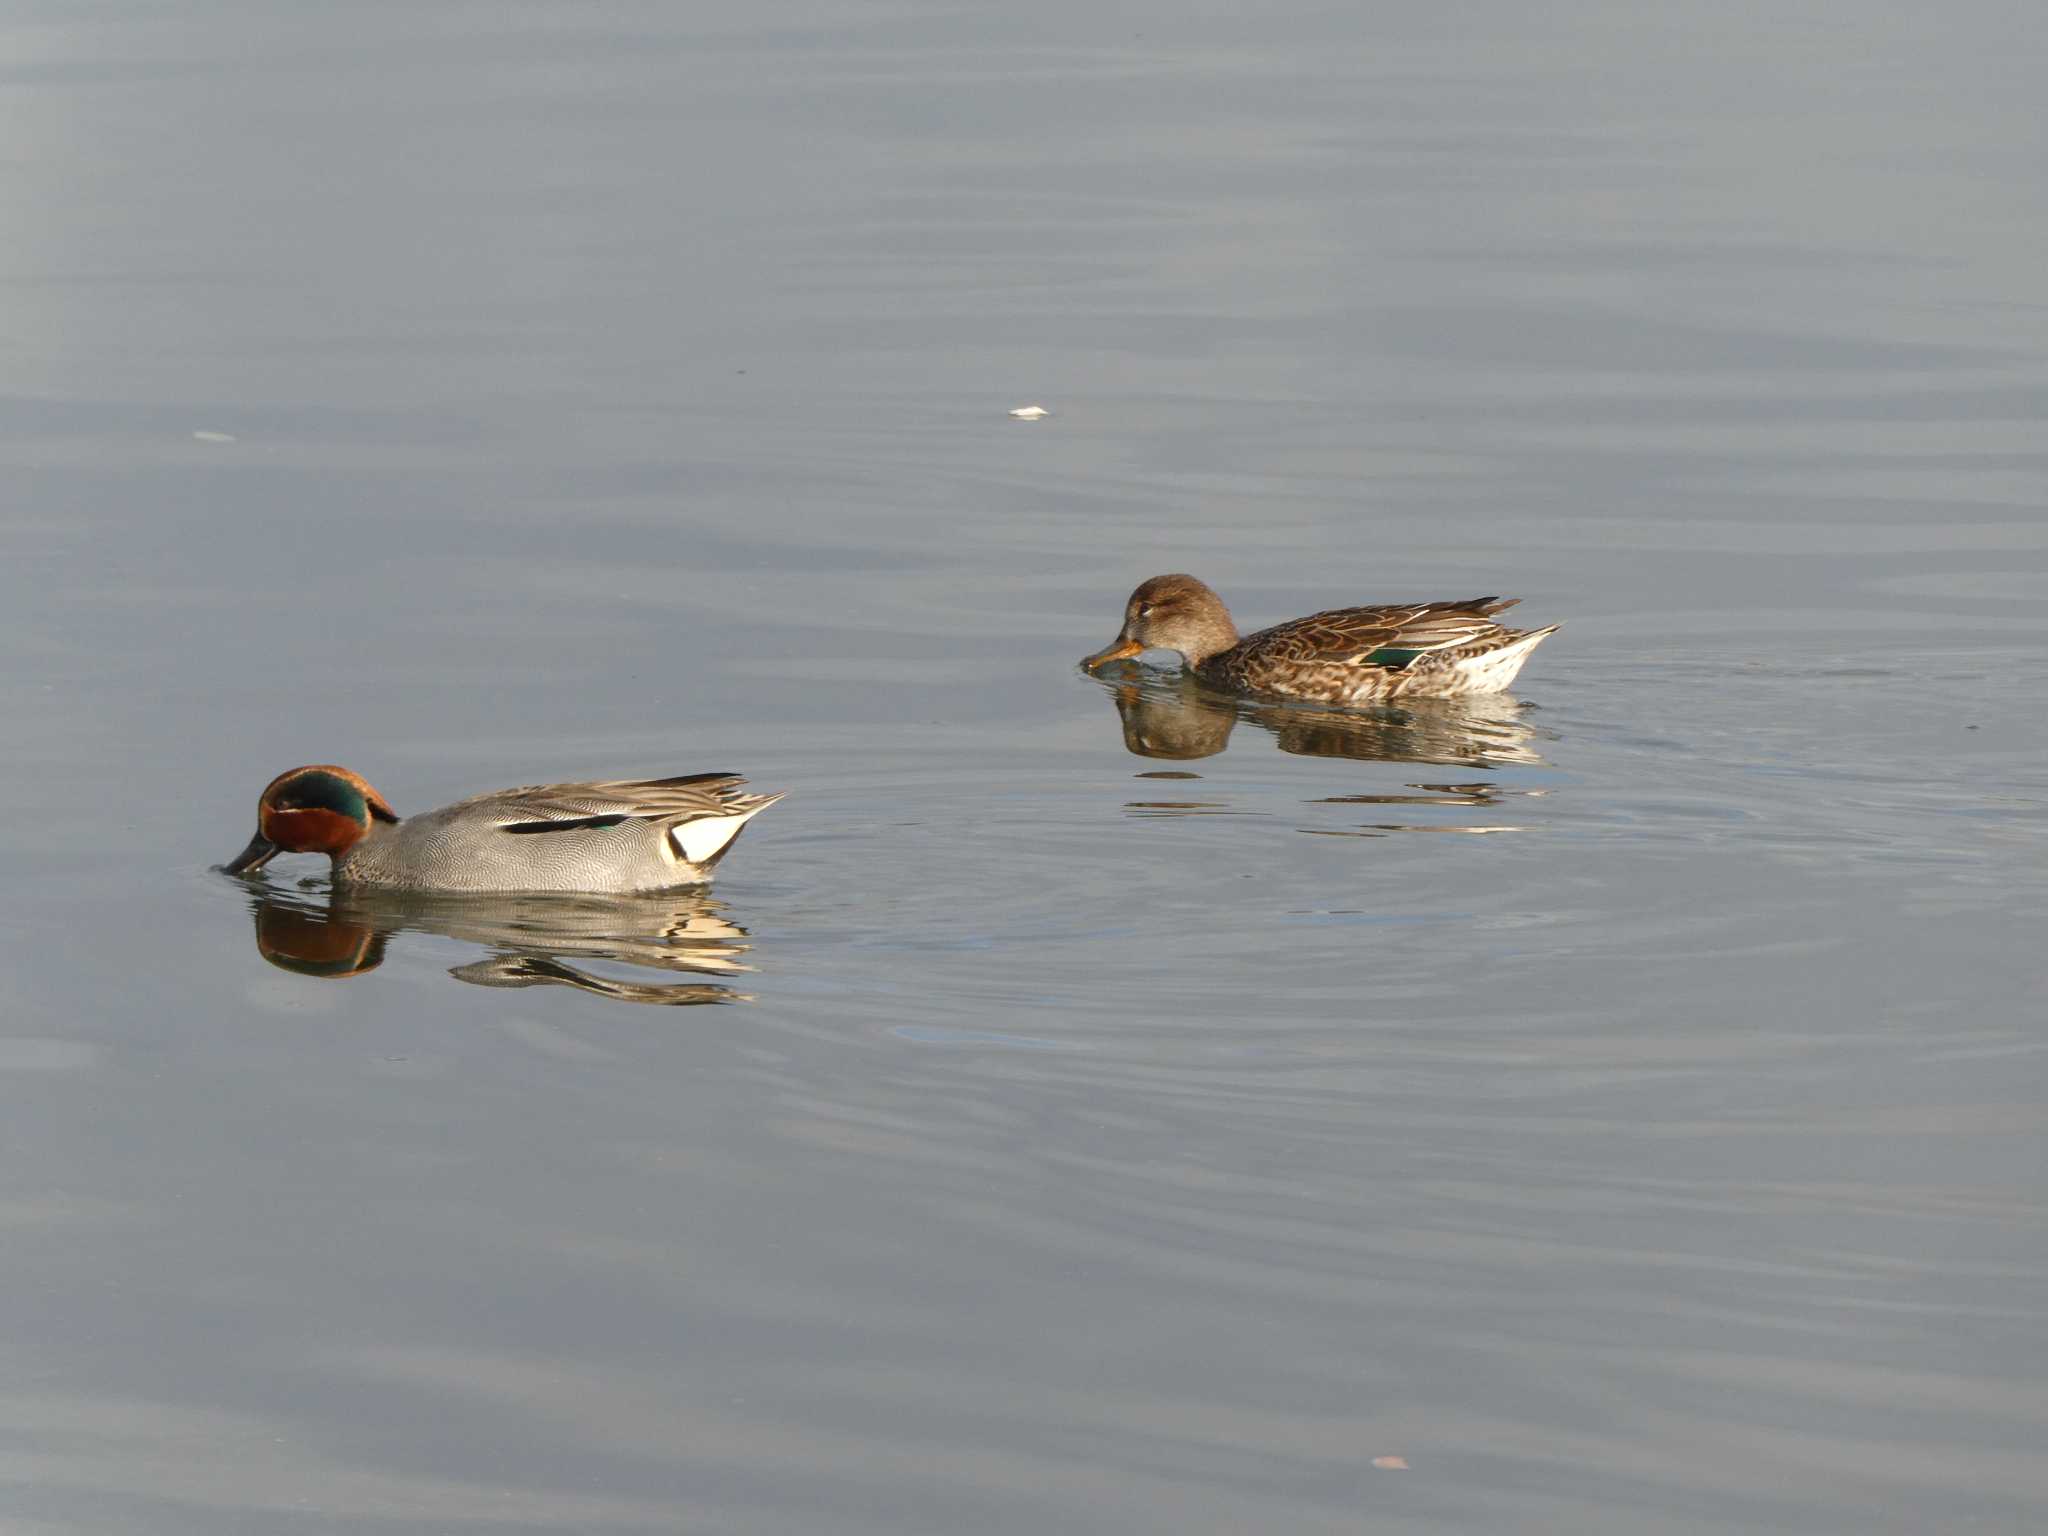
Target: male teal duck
1341	656
617	837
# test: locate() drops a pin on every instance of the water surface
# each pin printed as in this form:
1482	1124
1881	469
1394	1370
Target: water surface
1134	1109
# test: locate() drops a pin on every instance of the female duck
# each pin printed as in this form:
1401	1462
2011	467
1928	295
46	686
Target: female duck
1343	656
616	837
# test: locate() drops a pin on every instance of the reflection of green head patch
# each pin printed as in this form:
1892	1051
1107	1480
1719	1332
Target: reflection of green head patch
319	791
1390	656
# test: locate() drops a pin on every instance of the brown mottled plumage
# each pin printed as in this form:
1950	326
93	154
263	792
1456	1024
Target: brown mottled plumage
1339	656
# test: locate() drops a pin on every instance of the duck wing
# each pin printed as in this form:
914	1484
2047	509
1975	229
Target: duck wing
606	803
1391	634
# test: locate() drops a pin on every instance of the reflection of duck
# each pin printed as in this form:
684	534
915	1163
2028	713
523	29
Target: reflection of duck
1436	650
1178	716
531	938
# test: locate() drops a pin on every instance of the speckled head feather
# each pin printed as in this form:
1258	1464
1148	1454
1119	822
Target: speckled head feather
1174	612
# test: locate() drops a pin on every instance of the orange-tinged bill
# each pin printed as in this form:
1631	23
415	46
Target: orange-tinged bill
1117	650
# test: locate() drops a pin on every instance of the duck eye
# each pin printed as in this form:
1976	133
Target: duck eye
1143	609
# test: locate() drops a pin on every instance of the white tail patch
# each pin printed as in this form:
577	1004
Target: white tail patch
1494	671
702	839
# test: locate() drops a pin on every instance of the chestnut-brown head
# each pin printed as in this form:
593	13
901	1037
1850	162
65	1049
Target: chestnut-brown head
316	809
1171	613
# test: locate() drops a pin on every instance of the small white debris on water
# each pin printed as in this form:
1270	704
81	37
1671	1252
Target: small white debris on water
1031	413
213	437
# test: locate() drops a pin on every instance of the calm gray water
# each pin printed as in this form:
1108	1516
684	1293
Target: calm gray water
1622	1104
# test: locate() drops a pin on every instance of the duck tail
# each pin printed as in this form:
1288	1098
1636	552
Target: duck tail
1521	642
704	840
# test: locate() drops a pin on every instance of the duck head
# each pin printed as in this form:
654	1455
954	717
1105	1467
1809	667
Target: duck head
1171	613
316	809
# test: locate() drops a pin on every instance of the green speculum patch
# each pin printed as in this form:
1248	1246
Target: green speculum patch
1391	656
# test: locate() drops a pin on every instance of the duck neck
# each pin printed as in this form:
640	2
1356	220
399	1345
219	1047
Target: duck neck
376	833
1213	639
